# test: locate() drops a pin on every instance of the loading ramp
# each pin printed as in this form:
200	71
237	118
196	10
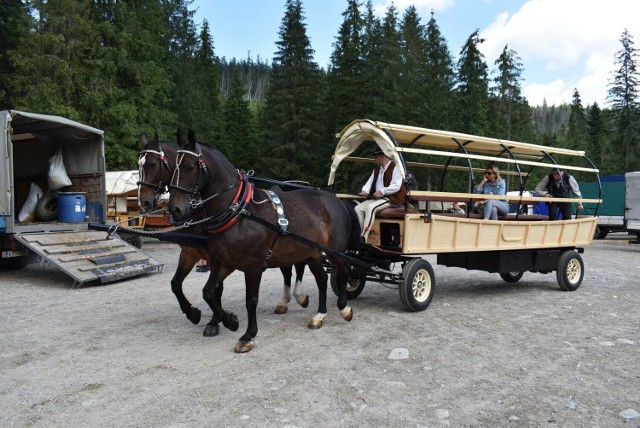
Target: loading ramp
88	256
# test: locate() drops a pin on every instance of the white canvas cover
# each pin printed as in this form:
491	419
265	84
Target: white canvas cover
354	135
122	183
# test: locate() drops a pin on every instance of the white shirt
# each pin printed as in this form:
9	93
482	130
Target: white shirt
394	186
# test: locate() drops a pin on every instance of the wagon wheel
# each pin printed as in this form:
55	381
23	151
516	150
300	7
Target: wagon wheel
511	276
570	271
355	284
418	285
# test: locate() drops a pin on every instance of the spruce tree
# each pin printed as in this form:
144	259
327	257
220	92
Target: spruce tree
623	96
510	110
237	141
372	68
293	111
577	128
205	95
15	24
412	81
597	148
345	75
440	79
473	88
388	97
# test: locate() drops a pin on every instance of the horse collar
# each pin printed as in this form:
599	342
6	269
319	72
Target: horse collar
238	206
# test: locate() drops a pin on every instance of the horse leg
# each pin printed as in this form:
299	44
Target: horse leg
252	280
301	297
185	263
283	306
341	280
315	266
212	294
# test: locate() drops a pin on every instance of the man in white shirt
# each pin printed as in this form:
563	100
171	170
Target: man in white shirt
383	189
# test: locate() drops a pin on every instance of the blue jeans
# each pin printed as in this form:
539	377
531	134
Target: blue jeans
495	207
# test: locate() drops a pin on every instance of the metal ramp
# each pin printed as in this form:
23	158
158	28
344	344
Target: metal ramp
88	255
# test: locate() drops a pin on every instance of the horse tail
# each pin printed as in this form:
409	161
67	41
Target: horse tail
354	238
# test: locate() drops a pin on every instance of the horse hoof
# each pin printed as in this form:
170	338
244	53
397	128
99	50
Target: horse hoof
281	309
232	324
305	302
242	347
194	315
211	330
348	315
315	324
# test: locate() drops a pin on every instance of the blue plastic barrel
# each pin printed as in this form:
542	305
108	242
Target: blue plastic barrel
72	207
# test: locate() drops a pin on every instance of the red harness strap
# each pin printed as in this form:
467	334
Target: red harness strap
247	198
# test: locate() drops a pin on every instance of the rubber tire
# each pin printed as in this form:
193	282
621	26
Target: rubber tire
570	271
355	284
418	285
47	206
510	277
600	232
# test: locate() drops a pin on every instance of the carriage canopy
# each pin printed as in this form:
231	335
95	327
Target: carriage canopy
398	140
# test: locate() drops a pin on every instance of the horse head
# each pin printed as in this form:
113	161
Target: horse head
154	171
189	178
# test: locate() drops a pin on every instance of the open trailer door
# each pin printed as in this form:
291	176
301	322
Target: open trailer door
87	256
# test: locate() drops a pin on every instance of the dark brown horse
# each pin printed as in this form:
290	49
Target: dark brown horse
156	163
250	230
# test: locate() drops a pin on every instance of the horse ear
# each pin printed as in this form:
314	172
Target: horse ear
155	136
180	138
191	136
143	140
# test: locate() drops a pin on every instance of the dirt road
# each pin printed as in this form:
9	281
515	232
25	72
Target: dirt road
485	353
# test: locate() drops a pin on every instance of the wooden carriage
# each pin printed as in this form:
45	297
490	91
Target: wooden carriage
518	242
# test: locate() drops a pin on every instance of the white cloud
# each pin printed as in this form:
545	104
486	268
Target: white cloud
564	44
422	6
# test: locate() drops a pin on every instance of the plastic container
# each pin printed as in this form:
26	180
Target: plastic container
72	207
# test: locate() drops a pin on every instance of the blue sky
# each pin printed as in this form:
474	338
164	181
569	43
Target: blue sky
562	44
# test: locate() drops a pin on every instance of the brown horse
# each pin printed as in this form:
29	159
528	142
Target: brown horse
156	163
250	230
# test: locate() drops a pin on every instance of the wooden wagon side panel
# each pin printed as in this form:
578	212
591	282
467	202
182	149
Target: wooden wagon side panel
421	235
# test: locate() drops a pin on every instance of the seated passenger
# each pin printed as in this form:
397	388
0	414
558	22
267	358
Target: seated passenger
384	188
492	184
559	184
456	209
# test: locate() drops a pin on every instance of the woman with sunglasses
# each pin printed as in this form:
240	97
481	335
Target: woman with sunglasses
492	184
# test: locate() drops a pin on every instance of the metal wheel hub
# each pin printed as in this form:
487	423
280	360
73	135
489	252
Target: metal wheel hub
573	271
421	285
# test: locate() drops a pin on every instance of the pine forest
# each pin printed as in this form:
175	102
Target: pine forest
129	67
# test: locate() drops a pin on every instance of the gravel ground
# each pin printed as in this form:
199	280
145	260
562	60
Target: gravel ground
485	353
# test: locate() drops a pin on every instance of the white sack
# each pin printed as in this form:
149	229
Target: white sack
57	178
29	206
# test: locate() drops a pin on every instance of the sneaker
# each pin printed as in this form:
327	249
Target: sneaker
203	268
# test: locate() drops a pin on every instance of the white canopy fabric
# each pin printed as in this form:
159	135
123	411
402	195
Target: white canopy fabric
122	183
354	135
411	139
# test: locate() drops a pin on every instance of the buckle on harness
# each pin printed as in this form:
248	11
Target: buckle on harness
283	222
